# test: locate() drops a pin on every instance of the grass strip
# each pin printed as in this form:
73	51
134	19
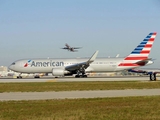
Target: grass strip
124	108
70	86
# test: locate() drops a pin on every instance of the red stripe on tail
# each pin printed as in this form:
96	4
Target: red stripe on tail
135	58
128	64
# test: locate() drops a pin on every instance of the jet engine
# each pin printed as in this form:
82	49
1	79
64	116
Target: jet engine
59	72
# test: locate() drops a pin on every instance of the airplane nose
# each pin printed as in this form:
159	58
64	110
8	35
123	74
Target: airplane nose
10	67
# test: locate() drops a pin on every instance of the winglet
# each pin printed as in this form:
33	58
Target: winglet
93	57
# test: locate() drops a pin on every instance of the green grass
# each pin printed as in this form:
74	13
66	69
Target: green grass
70	86
125	108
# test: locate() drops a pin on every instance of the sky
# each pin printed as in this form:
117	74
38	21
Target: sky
40	28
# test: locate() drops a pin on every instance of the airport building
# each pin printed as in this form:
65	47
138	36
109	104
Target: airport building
3	68
3	71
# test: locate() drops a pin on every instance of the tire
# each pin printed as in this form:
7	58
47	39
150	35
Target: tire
77	76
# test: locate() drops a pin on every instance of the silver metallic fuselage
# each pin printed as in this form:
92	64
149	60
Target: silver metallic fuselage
46	65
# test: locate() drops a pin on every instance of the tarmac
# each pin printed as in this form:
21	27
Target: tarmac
72	79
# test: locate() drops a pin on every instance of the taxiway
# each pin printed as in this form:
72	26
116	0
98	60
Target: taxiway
72	79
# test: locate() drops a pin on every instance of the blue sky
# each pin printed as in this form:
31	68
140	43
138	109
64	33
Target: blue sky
39	28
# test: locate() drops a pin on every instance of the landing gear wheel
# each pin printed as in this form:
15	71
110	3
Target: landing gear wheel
37	76
77	76
153	77
19	77
82	76
85	76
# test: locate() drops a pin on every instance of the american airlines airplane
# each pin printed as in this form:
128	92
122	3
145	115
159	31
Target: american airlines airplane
80	66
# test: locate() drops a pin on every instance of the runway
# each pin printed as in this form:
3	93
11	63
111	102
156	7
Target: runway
72	79
75	94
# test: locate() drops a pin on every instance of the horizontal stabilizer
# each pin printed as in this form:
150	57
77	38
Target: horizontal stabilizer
144	62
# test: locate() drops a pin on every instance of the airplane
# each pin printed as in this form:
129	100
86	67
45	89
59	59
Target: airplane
80	66
147	71
72	49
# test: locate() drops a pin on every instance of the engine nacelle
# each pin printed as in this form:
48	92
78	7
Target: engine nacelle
59	72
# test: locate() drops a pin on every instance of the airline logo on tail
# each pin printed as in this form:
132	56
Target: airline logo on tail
140	53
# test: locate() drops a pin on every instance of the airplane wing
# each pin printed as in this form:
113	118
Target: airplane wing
145	70
74	50
64	48
137	71
82	64
77	47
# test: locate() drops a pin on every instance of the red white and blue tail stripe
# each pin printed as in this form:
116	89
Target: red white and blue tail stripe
140	53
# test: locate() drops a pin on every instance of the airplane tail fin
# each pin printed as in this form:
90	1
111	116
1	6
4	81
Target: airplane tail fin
141	52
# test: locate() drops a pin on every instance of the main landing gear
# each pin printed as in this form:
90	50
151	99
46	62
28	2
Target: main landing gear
153	77
83	76
81	73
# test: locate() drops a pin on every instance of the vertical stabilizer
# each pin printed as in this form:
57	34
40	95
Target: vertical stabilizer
141	52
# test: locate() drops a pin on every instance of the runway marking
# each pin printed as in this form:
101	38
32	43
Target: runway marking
54	80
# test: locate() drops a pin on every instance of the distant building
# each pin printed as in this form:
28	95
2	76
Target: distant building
3	69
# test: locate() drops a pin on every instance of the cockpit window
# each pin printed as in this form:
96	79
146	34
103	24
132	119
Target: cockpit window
13	63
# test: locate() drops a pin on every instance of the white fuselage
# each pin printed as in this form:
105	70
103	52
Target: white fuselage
46	65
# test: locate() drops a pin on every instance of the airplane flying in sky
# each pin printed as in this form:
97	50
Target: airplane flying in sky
72	49
147	71
80	66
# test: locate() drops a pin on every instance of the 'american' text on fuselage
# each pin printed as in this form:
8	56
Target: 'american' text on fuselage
47	64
